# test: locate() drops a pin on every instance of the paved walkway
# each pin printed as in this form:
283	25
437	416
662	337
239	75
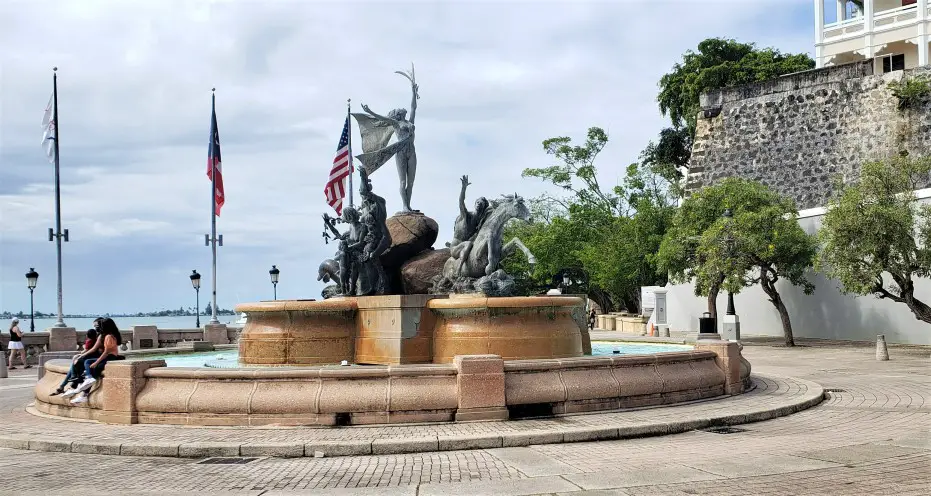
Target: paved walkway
870	438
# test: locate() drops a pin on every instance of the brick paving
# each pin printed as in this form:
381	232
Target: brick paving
874	437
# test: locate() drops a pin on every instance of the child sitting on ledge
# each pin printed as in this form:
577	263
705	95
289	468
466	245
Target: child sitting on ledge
77	365
94	366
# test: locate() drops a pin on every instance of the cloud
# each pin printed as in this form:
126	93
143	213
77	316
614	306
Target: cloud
134	82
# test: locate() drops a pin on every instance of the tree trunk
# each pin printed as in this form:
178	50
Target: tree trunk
769	287
630	302
602	299
921	310
713	299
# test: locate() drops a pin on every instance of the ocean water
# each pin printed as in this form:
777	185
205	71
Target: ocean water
127	323
230	358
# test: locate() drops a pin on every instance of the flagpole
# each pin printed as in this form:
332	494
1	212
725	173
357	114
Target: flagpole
348	113
213	212
58	235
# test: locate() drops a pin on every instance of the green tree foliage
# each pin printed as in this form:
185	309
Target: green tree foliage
553	238
669	154
575	172
608	239
877	236
760	243
912	92
720	63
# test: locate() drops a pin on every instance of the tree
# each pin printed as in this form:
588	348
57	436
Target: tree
555	238
760	243
670	154
576	172
623	257
876	231
606	238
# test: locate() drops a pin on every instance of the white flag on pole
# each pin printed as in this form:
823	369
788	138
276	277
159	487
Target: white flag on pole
49	133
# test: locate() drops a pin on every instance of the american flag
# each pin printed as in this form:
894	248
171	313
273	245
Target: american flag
213	159
342	166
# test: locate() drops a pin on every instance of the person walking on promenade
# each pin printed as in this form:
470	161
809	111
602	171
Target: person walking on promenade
16	343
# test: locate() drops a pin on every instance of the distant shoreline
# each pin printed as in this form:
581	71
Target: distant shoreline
21	315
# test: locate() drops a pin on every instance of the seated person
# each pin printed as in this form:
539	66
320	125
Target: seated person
92	346
93	367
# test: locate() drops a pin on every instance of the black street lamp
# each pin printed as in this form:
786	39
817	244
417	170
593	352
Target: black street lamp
32	277
195	281
274	275
729	241
565	282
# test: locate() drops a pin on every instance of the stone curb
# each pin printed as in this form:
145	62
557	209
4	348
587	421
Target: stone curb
813	396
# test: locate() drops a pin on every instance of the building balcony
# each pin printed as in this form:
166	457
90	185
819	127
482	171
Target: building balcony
873	29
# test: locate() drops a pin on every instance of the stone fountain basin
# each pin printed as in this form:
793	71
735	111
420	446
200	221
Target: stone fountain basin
408	329
472	387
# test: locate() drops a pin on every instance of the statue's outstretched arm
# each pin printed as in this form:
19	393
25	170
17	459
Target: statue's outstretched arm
369	111
462	206
414	89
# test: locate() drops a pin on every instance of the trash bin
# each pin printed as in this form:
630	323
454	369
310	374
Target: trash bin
707	324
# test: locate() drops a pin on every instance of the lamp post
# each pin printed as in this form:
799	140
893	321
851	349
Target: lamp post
273	273
731	323
195	281
729	245
32	277
565	283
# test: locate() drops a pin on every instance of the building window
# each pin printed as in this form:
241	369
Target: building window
893	63
852	10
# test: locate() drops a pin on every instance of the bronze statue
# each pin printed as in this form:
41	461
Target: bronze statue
376	130
467	224
474	264
357	266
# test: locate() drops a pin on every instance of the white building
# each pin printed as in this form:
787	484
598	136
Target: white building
894	33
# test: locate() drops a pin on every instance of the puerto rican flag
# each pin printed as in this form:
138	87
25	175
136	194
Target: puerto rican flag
214	165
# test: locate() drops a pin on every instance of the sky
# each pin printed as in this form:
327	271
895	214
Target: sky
134	79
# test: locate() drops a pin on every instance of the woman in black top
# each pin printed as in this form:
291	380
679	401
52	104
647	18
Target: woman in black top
16	343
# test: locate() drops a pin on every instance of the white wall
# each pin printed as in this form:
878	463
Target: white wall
827	313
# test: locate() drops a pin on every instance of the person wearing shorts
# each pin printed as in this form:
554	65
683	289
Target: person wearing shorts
16	343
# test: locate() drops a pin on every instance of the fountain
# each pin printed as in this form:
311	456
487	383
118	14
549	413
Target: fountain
373	315
433	335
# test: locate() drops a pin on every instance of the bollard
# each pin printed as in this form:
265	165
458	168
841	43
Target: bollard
882	353
3	372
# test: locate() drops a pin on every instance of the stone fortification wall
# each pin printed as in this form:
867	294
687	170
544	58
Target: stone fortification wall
800	132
